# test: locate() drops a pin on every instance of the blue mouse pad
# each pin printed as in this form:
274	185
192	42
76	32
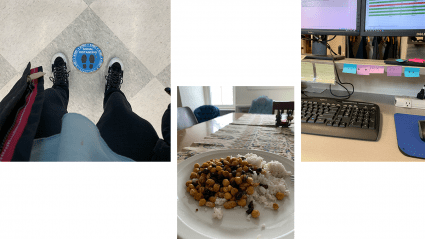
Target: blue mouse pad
87	58
407	130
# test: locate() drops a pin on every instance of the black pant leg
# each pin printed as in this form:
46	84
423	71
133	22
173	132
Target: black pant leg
125	132
54	108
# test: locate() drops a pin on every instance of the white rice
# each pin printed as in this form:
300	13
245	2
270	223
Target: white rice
248	217
253	159
220	201
217	213
276	169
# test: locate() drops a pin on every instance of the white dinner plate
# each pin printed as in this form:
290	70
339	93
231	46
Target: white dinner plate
234	224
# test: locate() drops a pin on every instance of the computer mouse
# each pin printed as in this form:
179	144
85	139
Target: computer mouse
421	124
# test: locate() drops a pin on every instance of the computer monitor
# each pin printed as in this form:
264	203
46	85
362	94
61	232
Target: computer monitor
393	18
329	17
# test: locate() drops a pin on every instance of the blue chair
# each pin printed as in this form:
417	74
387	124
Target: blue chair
206	112
261	105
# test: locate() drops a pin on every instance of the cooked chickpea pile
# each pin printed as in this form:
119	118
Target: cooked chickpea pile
225	178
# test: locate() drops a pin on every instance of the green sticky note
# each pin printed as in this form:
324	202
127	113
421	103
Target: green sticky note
307	72
325	73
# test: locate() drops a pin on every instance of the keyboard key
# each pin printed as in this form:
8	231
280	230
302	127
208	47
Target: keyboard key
342	125
320	121
304	119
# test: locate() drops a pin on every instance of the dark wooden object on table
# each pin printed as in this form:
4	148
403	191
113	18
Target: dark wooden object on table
281	107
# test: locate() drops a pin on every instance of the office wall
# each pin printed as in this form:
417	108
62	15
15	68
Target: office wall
245	94
192	96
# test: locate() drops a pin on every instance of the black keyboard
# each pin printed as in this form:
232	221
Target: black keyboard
340	118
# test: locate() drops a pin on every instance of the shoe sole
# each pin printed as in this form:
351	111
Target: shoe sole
84	59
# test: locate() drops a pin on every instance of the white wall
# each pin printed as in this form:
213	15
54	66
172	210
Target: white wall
245	94
192	96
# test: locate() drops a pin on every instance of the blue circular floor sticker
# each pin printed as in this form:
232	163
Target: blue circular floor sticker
87	58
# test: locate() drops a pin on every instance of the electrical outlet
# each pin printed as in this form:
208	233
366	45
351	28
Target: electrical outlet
403	101
408	103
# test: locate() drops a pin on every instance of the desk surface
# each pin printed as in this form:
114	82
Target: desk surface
321	148
186	137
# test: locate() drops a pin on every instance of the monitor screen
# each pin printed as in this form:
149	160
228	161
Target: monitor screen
330	17
393	18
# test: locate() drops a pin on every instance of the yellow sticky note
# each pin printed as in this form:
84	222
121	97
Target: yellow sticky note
325	73
302	57
307	72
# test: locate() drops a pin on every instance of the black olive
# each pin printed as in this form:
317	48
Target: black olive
234	173
250	170
249	211
264	186
251	204
206	171
243	158
259	170
239	195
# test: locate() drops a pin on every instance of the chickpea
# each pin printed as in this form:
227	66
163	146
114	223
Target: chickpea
244	163
202	202
244	196
280	195
201	189
210	182
192	192
198	196
220	195
254	168
242	188
196	165
235	163
250	180
250	190
202	179
188	189
225	189
228	158
188	182
255	213
226	182
275	206
216	187
238	174
227	196
234	191
213	170
226	174
245	168
220	172
242	202
196	170
239	169
229	204
193	175
238	180
219	168
232	180
210	167
210	204
212	199
191	186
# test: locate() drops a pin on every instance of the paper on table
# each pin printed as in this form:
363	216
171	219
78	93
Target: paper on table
363	70
325	73
307	73
377	69
350	68
411	72
394	70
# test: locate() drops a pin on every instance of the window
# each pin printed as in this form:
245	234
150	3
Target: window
221	95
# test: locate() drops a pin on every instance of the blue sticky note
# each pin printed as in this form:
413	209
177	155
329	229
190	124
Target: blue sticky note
411	72
350	68
400	60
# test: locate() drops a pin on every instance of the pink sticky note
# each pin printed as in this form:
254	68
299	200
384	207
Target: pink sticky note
417	60
363	70
377	69
394	70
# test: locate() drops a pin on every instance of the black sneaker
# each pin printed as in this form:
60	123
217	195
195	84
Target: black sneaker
115	74
59	70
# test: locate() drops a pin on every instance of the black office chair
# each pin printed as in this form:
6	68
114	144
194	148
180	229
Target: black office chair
185	118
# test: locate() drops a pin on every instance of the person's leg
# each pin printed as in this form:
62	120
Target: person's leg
55	99
125	132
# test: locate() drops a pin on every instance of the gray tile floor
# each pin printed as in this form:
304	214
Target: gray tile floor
138	32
